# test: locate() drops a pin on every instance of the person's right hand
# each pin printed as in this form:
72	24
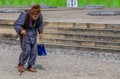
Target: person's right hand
23	32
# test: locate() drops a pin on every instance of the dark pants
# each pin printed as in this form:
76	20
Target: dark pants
29	51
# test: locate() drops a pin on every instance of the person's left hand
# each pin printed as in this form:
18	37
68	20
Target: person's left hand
40	35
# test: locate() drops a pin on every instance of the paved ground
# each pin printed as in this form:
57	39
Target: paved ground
59	63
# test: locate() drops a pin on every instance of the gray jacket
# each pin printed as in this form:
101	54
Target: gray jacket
32	30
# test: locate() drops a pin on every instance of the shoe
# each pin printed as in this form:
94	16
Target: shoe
21	69
32	69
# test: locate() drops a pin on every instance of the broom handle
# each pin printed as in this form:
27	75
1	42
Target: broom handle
23	38
22	48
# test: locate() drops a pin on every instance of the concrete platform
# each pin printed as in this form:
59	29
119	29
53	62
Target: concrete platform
78	15
72	18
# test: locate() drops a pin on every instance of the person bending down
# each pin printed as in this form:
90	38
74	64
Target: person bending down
28	23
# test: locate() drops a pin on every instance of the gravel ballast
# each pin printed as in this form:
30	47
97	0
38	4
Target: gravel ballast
61	64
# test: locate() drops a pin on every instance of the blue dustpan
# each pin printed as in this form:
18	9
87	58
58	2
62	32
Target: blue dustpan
41	50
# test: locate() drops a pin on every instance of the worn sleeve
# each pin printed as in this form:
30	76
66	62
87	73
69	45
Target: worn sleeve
40	25
18	25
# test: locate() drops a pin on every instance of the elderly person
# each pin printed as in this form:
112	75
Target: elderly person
27	25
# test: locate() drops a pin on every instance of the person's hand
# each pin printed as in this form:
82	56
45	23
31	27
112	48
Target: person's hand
23	32
40	35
